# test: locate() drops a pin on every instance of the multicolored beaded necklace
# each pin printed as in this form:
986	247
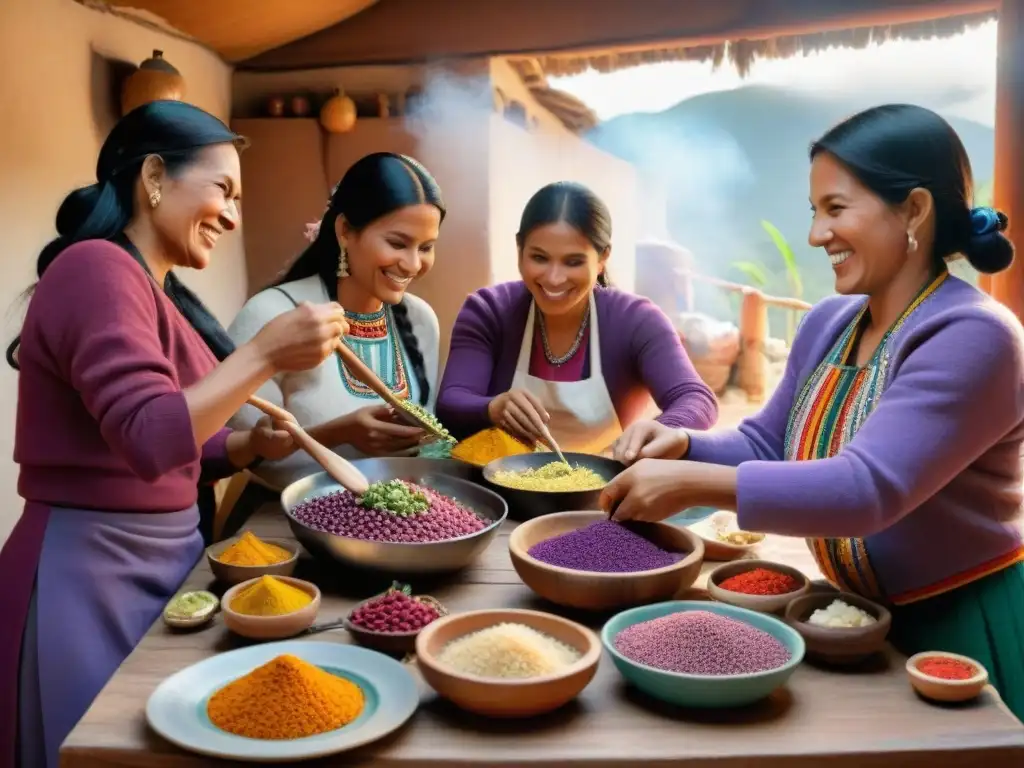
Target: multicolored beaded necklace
371	336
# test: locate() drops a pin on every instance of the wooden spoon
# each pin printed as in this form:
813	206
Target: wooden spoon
363	372
341	470
550	440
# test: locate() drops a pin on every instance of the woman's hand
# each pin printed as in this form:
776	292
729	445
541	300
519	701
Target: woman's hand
520	414
650	440
301	338
653	489
266	440
374	431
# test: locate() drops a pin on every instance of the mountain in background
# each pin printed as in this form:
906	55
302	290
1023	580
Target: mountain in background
729	159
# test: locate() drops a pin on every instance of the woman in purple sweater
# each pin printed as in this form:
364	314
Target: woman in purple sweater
893	442
121	412
563	349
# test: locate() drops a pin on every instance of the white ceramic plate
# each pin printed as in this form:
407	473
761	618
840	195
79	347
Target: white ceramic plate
708	529
177	708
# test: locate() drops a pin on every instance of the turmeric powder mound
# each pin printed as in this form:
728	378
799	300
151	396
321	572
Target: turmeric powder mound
250	550
286	698
484	447
270	597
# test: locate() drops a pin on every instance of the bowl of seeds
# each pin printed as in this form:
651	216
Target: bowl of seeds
389	622
536	484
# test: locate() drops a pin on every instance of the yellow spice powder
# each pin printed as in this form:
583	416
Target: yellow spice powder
488	445
250	550
270	597
553	477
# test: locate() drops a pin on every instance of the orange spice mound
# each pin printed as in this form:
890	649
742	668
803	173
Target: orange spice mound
286	698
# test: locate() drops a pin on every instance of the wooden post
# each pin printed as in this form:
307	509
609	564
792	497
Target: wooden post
753	334
1008	187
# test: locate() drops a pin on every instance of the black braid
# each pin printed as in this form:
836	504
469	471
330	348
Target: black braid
412	347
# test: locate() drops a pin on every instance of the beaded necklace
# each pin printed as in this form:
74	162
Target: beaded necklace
371	336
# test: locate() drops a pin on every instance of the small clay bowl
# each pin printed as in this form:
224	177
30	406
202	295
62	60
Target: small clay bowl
598	591
198	619
940	689
763	603
714	548
499	697
839	645
390	642
271	627
236	574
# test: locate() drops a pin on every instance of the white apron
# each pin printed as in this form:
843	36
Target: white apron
583	418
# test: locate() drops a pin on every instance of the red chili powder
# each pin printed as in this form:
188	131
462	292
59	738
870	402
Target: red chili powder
761	581
946	668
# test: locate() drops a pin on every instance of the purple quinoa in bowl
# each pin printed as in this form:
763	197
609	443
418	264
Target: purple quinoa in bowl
603	547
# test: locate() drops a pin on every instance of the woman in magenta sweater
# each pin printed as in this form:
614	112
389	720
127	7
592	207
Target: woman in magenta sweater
893	442
563	349
121	412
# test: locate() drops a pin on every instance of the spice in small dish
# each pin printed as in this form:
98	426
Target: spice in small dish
841	615
603	547
945	668
396	611
286	698
739	538
508	650
552	478
270	597
761	582
190	608
252	551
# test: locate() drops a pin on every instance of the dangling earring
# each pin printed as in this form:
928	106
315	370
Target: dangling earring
154	199
911	242
342	261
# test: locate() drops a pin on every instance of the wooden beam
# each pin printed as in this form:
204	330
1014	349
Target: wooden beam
1008	185
406	31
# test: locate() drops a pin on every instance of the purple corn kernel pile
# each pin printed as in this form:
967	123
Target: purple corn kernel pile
341	514
604	547
701	643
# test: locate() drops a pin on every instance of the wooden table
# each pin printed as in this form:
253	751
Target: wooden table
867	719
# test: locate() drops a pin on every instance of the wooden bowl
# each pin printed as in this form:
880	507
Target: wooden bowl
714	548
596	591
236	574
390	642
496	697
938	689
271	627
839	645
762	603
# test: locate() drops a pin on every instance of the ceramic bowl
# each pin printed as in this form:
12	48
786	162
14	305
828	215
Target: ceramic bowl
236	574
507	698
938	689
594	591
762	603
389	642
197	619
704	691
839	645
271	627
715	549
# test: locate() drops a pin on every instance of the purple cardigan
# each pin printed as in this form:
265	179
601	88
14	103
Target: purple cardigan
641	355
932	481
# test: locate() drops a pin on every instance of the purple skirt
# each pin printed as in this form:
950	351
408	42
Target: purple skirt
101	580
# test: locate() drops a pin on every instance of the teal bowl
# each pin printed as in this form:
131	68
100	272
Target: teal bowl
704	691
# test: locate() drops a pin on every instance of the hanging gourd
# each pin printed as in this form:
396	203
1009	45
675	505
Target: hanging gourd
155	79
338	114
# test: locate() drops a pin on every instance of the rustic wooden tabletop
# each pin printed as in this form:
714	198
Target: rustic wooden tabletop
865	719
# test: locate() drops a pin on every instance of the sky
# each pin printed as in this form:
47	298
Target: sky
967	60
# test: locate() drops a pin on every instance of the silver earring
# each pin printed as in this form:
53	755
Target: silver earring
154	199
342	262
911	242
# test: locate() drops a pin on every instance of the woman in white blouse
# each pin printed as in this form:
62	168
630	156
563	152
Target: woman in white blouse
376	236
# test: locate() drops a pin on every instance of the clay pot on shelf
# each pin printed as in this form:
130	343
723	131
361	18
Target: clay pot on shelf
338	114
275	106
299	106
154	80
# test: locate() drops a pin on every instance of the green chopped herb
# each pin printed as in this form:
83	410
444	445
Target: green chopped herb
424	415
395	497
189	604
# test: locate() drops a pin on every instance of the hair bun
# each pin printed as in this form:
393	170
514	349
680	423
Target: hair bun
76	208
988	249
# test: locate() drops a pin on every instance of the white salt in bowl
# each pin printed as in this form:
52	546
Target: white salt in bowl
502	697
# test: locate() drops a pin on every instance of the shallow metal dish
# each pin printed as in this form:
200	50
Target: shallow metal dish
524	505
445	477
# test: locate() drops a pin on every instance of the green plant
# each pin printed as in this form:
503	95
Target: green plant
796	284
754	272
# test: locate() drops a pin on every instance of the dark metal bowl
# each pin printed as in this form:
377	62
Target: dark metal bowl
524	505
444	476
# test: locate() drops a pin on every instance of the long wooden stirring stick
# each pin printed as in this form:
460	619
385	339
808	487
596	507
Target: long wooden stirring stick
341	470
550	440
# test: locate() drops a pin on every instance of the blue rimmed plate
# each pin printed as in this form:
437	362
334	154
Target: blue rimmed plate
177	708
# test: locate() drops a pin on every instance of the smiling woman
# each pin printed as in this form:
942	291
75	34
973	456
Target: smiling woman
376	237
561	349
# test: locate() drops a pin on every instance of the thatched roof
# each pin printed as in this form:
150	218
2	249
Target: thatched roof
742	53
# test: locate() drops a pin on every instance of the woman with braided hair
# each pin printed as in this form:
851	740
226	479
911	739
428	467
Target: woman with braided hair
377	235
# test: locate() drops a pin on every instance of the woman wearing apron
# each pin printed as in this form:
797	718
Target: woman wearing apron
377	236
893	442
563	349
121	411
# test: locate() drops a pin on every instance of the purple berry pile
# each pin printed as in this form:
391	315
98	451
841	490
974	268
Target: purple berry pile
341	513
393	611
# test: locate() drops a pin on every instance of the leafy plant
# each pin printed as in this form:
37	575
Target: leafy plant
796	285
753	271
